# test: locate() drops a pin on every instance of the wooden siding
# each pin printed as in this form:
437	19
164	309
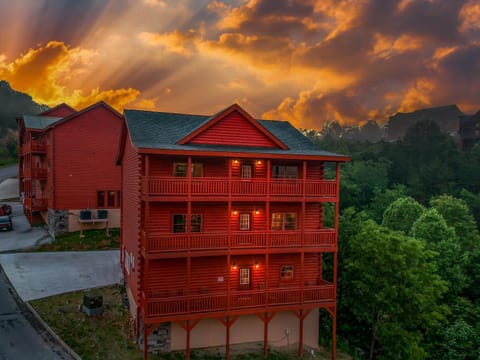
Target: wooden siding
313	217
212	167
85	158
215	215
233	130
169	277
131	213
315	170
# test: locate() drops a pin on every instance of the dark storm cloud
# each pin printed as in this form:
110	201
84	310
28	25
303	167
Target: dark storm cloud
278	18
435	20
343	53
458	79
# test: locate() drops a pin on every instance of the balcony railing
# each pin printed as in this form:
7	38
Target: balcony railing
34	146
160	243
239	300
35	204
35	173
175	186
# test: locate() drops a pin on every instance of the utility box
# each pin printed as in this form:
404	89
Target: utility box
102	214
85	215
92	304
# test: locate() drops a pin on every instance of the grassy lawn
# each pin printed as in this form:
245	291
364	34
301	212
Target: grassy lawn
106	337
93	240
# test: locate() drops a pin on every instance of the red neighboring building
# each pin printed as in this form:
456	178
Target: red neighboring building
67	163
223	235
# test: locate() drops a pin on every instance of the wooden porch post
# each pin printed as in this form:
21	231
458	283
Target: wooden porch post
228	321
301	315
188	325
334	333
266	318
335	264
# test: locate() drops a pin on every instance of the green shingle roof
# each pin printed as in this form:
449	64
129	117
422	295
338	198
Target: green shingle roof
39	122
160	130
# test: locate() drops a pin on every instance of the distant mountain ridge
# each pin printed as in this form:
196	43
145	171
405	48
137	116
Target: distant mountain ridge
14	103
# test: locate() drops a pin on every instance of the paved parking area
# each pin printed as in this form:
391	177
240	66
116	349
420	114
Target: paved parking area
38	275
22	236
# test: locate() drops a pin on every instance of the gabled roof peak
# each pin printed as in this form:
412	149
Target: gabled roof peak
214	128
61	109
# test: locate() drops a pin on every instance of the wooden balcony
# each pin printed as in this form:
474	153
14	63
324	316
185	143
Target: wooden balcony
34	146
236	301
35	173
155	244
35	204
205	187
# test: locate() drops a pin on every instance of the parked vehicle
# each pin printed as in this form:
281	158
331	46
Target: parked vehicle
5	209
6	223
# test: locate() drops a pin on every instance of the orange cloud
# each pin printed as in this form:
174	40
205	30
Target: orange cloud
470	16
386	46
418	96
313	108
45	74
180	42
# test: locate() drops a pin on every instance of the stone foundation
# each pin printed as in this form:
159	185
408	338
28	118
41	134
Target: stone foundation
57	222
159	340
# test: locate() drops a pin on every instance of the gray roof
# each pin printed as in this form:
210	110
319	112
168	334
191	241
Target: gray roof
39	122
159	130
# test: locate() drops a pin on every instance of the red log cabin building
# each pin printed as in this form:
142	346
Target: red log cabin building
67	163
223	236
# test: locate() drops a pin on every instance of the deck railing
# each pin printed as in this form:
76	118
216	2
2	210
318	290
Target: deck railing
207	186
37	146
160	243
238	300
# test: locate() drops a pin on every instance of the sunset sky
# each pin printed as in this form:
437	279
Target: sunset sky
304	61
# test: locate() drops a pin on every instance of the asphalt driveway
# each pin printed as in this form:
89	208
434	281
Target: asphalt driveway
38	275
22	236
22	335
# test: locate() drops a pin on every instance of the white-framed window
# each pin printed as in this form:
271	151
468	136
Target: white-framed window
244	278
244	221
246	171
286	273
284	221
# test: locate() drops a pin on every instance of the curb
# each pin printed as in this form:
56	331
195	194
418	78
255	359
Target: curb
25	307
67	348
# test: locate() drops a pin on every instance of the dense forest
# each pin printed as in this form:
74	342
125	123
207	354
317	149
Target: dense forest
409	248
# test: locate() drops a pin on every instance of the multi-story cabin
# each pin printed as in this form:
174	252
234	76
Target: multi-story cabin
67	163
223	235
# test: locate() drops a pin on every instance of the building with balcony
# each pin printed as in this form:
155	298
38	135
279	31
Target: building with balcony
67	163
225	232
